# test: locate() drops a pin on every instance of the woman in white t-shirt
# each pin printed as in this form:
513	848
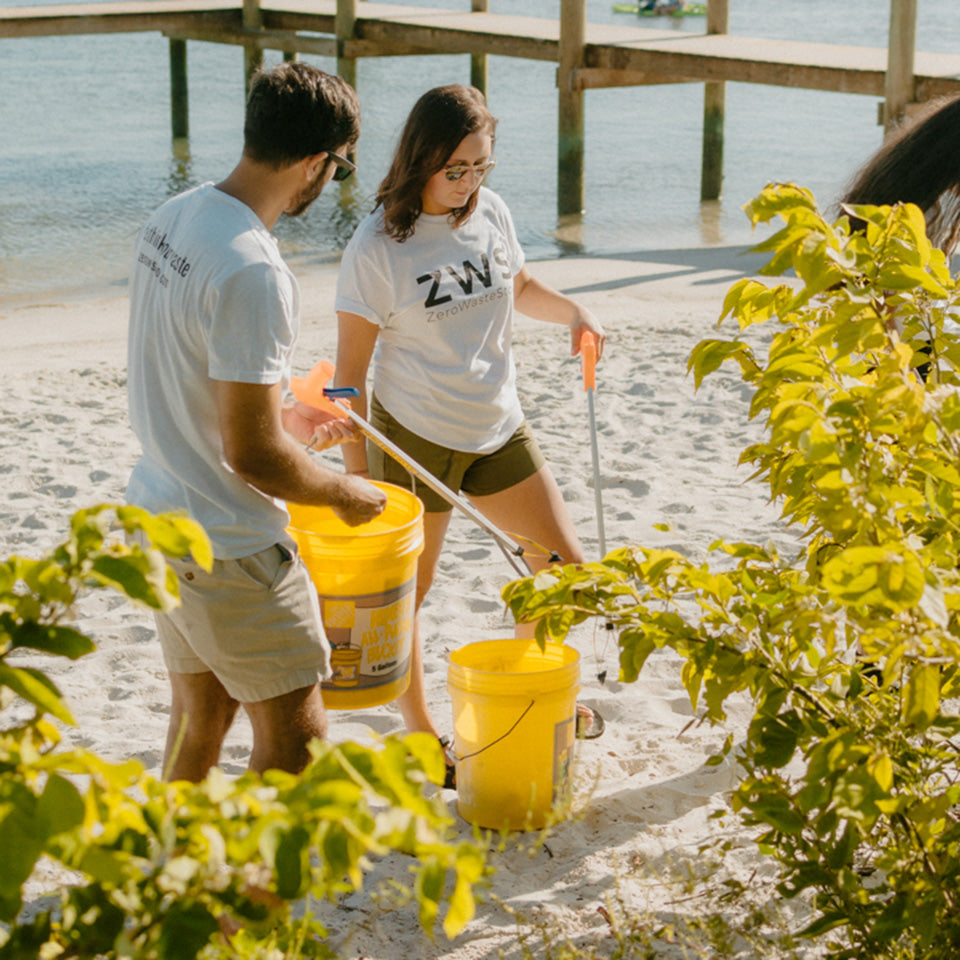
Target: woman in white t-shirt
430	281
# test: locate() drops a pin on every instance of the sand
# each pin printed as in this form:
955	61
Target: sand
668	456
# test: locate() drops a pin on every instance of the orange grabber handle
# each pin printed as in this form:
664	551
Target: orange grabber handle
588	359
314	392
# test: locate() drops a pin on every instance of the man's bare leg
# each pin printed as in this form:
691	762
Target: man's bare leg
282	728
201	712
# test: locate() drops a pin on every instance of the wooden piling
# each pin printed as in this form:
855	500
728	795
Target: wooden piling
714	102
570	134
179	100
252	53
478	61
899	87
345	28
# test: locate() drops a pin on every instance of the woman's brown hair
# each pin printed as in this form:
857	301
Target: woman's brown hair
919	163
437	124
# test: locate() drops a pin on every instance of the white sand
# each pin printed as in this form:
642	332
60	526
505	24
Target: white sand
668	454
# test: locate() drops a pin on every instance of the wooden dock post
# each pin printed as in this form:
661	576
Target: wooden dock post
573	29
345	27
898	89
714	102
179	100
478	61
252	54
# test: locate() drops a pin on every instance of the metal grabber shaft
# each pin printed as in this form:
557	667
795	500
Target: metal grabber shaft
312	390
510	548
588	359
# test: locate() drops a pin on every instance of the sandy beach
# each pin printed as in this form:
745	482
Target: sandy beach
644	796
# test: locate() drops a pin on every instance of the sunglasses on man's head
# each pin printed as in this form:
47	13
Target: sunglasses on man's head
344	166
458	171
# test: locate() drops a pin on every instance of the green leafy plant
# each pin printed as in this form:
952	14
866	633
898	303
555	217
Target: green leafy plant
179	870
848	650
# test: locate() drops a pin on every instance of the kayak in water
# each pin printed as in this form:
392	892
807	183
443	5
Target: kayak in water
662	9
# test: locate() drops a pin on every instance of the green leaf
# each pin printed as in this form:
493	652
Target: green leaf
824	924
429	889
462	907
20	845
60	807
57	640
293	863
891	922
636	645
921	696
187	929
107	867
775	739
138	578
36	688
880	767
709	355
777	811
174	533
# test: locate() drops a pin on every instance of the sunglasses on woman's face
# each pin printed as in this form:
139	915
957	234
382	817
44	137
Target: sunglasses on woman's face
344	166
460	170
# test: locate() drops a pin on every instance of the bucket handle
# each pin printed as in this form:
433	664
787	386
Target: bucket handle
503	736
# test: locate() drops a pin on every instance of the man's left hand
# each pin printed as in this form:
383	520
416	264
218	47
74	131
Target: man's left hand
316	429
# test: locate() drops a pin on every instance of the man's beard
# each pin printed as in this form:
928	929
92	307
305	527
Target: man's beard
309	193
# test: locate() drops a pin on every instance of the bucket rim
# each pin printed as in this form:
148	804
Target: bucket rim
525	642
391	489
568	661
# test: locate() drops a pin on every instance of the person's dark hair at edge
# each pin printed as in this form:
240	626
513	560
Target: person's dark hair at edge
437	124
294	111
919	163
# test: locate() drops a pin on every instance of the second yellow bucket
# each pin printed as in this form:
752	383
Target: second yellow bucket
514	721
366	578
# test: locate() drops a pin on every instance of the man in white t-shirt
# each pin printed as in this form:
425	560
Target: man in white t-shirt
214	318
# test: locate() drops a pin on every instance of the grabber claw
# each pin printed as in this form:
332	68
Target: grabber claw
314	392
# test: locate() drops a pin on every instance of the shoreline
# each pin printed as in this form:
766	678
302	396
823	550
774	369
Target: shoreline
95	314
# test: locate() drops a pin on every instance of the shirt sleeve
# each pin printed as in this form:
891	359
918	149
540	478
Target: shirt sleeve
363	284
253	326
515	255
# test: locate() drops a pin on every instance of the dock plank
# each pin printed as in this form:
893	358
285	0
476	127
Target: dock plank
610	50
120	16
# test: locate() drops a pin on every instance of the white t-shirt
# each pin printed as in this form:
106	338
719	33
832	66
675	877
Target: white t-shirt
443	299
210	299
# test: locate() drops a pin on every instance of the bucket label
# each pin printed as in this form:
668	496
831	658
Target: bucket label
564	735
371	636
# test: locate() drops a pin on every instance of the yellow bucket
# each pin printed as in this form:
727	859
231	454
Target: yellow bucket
514	722
366	577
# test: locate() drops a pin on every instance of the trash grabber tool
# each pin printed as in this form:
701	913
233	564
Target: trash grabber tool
588	361
311	391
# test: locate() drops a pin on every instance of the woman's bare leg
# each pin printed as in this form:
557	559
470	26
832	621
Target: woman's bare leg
534	509
413	702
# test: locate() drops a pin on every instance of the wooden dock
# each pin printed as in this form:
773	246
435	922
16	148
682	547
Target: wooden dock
589	56
652	56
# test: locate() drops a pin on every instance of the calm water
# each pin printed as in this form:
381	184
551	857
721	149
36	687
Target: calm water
86	153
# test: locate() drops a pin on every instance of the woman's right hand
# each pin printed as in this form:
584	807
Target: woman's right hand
362	501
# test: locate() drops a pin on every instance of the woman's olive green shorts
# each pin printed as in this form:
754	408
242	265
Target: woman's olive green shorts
475	474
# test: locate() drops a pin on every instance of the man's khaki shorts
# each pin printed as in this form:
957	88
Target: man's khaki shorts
254	622
476	474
